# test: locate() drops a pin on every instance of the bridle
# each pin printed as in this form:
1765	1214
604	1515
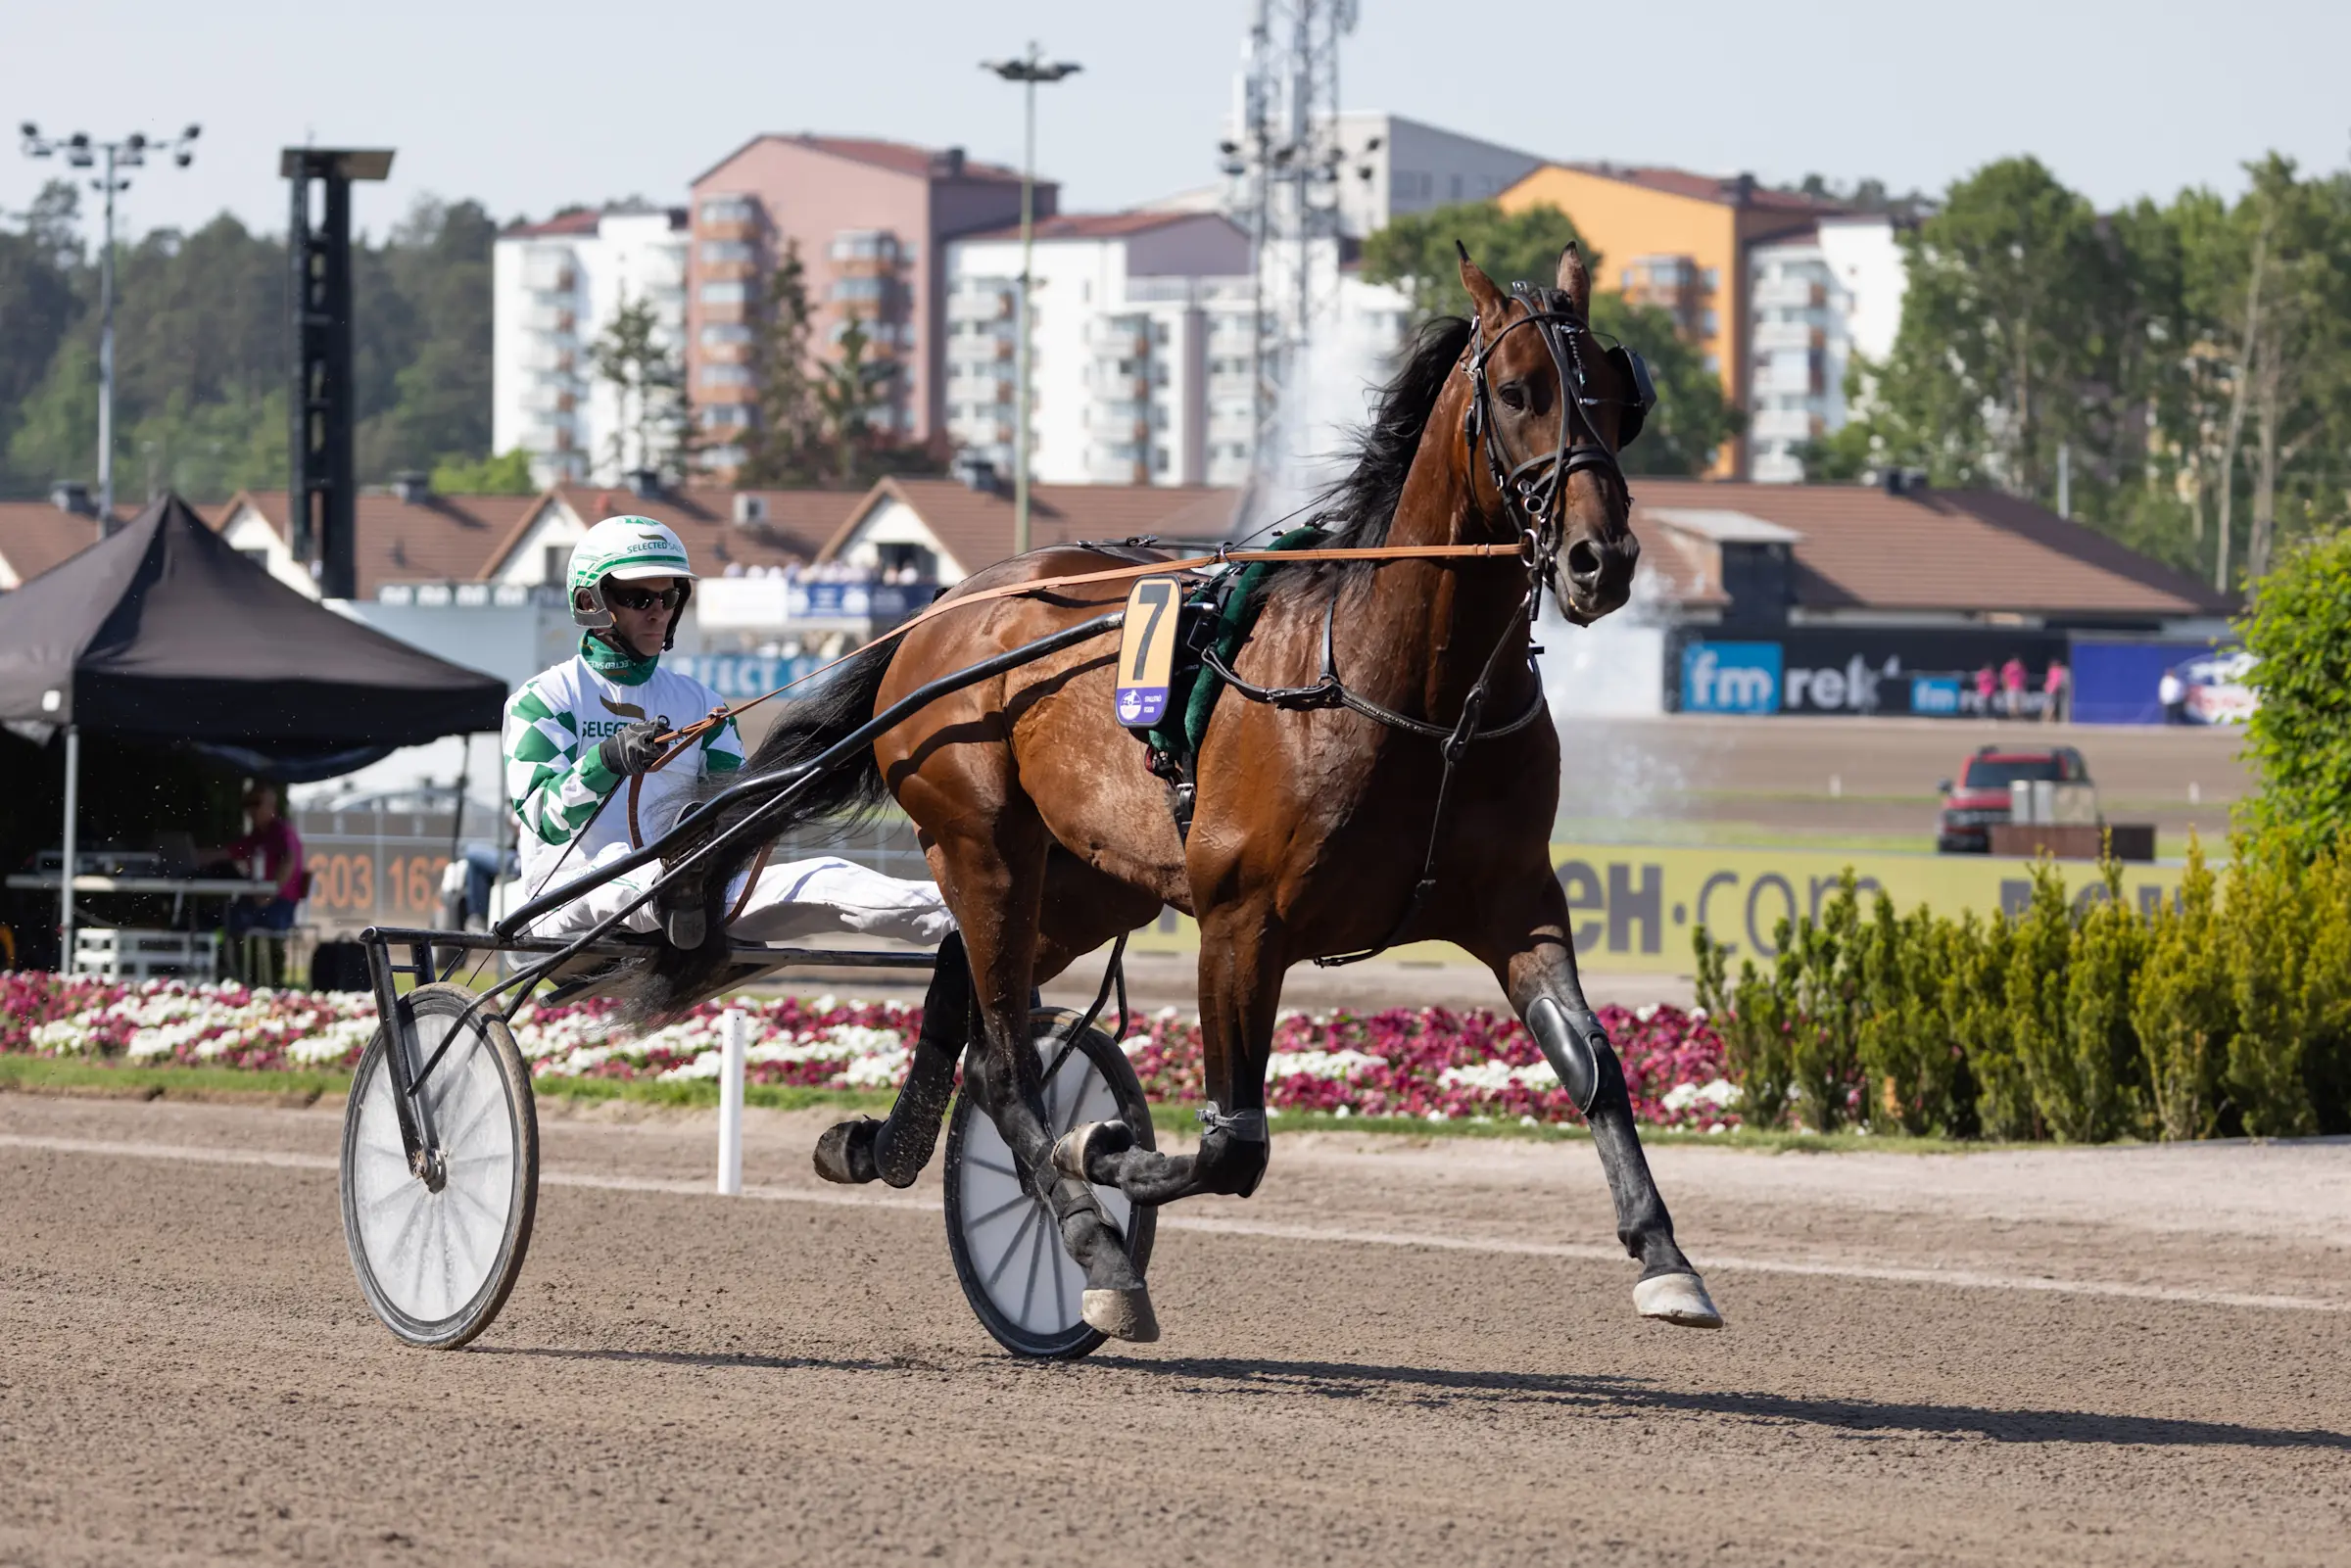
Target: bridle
1535	490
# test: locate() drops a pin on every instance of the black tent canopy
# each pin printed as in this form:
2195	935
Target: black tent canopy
165	631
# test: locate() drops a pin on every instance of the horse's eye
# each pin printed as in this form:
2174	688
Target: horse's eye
1513	396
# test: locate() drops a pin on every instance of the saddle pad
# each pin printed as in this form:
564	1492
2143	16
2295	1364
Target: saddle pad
1227	609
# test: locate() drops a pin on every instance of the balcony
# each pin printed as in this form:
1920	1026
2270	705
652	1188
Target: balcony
550	321
1786	335
997	390
548	397
1791	293
1785	424
550	275
987	305
979	351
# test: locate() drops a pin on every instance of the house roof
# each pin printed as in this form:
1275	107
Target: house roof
585	221
34	536
796	524
974	526
900	158
1714	188
1089	225
1860	549
440	539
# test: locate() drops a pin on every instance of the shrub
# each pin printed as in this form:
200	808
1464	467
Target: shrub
2182	1010
2263	944
2299	632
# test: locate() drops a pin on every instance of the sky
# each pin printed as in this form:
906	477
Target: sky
531	106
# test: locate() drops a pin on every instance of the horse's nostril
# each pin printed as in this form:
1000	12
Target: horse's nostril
1583	562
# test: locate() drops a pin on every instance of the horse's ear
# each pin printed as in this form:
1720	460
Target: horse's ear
1575	279
1482	292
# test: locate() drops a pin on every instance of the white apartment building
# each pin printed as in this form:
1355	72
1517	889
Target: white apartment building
1816	300
555	288
1393	166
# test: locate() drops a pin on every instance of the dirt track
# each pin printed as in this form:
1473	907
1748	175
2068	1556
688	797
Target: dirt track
1396	1352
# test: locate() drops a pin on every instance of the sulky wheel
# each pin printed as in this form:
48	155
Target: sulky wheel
436	1259
1007	1249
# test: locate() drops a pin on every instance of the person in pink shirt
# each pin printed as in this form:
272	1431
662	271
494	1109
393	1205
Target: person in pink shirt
2012	685
1984	684
2052	692
275	839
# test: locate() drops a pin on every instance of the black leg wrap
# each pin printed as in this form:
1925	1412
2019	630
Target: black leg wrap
1573	1043
1230	1164
906	1141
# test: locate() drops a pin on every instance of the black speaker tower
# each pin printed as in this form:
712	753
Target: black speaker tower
323	493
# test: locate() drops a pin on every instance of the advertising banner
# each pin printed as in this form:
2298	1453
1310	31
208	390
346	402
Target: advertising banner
1931	672
1633	906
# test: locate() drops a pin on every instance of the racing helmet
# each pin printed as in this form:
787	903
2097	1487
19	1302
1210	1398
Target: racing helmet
624	549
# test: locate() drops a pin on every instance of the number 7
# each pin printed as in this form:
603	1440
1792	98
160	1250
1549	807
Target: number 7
1157	596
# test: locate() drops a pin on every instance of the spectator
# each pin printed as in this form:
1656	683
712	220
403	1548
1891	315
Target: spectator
2172	692
1984	684
2012	685
2053	691
275	839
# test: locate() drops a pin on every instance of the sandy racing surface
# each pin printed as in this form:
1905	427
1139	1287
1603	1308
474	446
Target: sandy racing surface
1398	1352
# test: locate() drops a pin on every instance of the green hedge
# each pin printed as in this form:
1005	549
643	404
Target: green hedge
2226	1012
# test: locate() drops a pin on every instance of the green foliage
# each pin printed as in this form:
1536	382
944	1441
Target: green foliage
787	447
2299	632
647	372
1415	254
2183	1011
2265	955
850	390
201	343
506	474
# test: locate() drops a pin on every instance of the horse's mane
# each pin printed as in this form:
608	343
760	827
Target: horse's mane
1358	509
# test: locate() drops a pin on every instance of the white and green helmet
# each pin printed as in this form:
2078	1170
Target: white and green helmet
623	547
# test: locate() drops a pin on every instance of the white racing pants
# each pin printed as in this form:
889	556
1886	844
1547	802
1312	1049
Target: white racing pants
793	902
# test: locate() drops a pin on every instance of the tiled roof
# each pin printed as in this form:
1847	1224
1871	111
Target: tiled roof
902	158
440	539
796	524
34	536
1964	550
1710	188
1088	226
585	221
974	526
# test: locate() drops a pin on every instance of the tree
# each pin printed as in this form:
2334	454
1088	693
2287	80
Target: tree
506	474
787	447
37	303
1415	254
2299	634
849	391
635	357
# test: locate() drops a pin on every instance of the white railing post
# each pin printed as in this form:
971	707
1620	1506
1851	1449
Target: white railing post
734	1027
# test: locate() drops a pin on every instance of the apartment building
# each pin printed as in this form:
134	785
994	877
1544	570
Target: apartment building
870	220
555	289
1817	300
1681	242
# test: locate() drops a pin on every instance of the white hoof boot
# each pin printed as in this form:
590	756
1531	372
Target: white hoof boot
1123	1314
1680	1298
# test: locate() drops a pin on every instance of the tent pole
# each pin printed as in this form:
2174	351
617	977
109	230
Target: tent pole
64	875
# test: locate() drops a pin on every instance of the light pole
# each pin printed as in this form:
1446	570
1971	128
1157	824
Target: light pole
80	152
1028	71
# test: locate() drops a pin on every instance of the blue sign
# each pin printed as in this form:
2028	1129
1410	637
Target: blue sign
1935	695
740	677
1731	678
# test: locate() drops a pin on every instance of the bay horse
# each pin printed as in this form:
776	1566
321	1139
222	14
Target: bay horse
1050	838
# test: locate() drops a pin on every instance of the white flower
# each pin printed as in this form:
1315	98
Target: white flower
1326	1065
879	1071
1645	1012
1438	1116
1342	1111
1494	1077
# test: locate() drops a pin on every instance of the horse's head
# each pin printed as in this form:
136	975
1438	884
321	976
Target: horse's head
1550	404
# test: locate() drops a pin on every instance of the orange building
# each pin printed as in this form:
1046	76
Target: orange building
1679	240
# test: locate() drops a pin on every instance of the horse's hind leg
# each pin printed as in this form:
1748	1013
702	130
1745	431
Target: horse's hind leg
895	1151
996	887
1532	957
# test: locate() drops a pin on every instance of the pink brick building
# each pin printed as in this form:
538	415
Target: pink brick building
872	219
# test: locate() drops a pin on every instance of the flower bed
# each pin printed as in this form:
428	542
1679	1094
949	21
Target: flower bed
1425	1063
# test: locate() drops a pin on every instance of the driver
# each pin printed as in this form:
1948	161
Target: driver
576	735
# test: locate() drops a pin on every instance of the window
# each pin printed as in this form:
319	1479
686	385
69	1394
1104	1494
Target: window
727	210
1159	460
726	416
555	563
856	289
726	375
724	251
1998	773
1713	277
1708	324
719	334
733	293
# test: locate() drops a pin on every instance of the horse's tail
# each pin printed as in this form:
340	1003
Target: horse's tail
672	977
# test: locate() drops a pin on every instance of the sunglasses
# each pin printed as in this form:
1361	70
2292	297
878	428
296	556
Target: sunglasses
627	597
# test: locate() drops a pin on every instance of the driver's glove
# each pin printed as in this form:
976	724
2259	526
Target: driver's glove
632	748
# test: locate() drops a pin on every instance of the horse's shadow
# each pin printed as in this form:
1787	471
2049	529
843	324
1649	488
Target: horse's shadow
1861	1418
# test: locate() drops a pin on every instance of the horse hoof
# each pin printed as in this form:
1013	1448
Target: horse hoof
845	1151
1076	1147
1123	1314
1679	1299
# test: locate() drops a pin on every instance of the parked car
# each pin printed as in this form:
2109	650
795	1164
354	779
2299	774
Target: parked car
2209	688
1980	796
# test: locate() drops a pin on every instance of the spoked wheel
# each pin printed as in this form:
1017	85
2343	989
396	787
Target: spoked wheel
436	1261
1007	1247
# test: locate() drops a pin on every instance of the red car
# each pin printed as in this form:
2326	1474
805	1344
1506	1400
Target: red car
1981	797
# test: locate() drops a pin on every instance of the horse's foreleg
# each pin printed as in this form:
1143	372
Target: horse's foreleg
1535	961
1001	896
1240	989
